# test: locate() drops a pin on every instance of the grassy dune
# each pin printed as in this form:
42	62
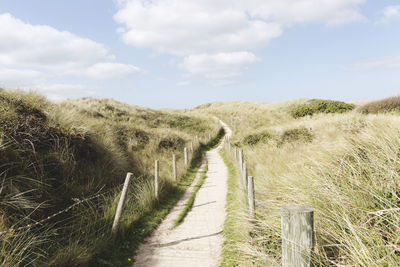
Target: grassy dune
53	155
346	165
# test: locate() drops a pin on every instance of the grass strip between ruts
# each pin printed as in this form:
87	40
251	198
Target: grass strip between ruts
190	201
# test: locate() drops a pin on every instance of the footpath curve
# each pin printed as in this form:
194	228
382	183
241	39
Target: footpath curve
197	241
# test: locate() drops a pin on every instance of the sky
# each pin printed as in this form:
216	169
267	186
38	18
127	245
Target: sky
182	53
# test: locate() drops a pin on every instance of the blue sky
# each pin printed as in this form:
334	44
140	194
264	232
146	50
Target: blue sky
175	53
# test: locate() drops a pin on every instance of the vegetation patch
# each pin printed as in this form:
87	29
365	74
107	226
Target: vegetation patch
172	142
254	139
390	104
314	106
301	134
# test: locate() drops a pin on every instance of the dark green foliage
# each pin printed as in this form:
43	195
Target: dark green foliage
172	142
301	134
254	139
320	106
390	104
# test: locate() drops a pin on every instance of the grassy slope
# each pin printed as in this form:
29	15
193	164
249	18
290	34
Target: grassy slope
53	154
349	172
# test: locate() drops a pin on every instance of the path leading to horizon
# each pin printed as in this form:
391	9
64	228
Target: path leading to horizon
197	241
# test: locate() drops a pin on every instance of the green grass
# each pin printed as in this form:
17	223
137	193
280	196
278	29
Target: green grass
315	106
190	201
235	227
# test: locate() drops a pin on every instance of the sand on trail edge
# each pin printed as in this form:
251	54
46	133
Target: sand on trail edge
197	241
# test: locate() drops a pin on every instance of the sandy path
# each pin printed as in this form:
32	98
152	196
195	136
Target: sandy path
198	240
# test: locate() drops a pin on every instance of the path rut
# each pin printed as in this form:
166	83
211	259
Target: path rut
198	240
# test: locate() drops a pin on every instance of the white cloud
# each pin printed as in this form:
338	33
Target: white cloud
17	77
44	46
378	63
199	30
36	54
220	65
107	70
390	14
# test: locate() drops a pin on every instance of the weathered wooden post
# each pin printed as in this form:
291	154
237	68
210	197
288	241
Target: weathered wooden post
185	152
250	195
235	152
240	159
297	236
244	175
191	148
156	179
174	168
118	213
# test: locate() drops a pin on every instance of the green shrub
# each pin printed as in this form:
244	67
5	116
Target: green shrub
390	104
254	139
319	106
301	134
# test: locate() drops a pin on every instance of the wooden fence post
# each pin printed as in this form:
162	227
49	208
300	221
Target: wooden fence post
244	176
156	179
235	152
185	152
174	168
250	195
118	213
191	148
240	159
297	236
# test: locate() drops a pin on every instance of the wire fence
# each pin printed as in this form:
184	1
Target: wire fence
77	202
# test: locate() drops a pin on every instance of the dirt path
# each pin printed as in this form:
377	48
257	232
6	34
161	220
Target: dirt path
198	240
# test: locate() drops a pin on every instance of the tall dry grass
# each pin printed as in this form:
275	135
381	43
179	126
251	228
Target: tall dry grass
349	173
53	155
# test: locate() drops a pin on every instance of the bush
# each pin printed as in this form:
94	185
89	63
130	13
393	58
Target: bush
301	134
320	106
254	139
390	104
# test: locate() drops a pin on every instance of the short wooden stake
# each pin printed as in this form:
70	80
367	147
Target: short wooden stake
156	182
118	213
191	148
244	176
235	152
185	152
240	160
250	195
297	236
174	168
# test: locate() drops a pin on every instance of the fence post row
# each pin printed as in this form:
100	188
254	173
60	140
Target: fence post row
186	156
297	236
174	168
156	179
115	226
